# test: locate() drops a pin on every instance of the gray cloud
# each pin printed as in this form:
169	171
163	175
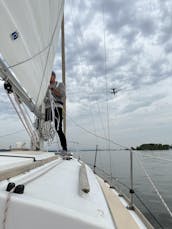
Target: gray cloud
142	102
138	54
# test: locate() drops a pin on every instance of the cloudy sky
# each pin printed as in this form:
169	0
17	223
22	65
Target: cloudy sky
113	44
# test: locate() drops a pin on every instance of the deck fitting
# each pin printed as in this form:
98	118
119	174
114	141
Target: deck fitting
130	208
10	186
131	191
19	189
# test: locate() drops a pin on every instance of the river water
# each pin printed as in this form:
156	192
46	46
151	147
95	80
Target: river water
158	166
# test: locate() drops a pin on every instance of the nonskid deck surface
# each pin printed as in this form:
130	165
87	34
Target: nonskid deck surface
52	198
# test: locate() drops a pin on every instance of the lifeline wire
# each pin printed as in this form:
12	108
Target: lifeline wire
154	186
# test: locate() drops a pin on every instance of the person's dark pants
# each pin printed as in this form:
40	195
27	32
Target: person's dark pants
58	125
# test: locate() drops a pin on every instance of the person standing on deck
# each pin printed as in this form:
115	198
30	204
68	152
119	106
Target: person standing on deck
58	92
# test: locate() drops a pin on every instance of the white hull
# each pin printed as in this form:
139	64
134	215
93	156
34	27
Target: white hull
52	197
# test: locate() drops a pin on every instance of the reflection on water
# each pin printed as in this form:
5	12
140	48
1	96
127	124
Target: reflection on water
158	164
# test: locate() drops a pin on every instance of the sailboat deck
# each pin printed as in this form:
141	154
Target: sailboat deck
52	197
122	217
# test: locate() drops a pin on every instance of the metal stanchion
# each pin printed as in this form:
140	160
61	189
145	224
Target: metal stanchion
95	159
130	206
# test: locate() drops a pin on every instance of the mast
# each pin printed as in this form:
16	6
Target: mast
63	67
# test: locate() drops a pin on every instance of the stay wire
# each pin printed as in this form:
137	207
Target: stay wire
80	41
149	211
96	135
105	72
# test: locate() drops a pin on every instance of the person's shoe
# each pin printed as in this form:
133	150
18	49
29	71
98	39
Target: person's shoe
67	156
62	152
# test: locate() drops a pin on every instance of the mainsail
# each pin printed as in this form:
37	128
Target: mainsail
28	41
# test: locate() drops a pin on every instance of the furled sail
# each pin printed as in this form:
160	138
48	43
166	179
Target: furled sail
28	41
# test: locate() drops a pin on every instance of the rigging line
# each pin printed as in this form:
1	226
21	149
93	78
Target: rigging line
82	42
27	122
154	186
149	211
19	115
105	72
26	111
96	135
51	41
102	121
158	158
82	38
138	197
79	41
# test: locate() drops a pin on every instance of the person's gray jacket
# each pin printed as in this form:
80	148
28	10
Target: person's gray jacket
59	100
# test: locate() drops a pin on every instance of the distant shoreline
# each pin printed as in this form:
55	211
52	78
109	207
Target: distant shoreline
153	146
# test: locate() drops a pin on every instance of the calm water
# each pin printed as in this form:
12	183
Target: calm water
158	164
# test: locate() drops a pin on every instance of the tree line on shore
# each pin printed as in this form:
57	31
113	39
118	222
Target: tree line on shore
153	146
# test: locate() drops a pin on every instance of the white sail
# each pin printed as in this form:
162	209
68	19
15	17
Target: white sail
28	41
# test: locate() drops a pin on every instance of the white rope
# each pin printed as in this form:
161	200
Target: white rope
52	105
25	120
7	202
48	129
154	187
34	136
48	132
35	133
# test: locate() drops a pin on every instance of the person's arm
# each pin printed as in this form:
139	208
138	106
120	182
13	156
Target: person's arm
58	91
55	91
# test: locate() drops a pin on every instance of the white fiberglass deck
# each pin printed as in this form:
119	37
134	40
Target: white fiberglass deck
9	160
52	199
